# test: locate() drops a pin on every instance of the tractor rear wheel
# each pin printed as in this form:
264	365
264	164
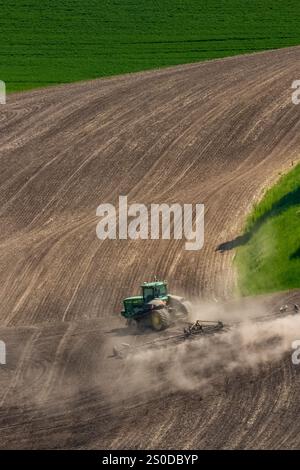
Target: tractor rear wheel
160	319
186	308
131	323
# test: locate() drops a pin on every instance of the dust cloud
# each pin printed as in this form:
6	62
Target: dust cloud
243	346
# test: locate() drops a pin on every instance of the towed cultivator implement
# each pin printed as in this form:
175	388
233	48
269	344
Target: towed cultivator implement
191	332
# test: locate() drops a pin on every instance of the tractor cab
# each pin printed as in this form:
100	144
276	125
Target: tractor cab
149	290
154	290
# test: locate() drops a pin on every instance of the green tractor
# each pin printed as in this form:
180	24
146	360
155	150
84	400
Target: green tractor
155	307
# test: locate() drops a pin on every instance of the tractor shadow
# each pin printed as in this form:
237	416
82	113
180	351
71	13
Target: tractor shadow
287	201
125	331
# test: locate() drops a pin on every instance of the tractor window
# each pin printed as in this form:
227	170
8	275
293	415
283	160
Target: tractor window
148	294
162	291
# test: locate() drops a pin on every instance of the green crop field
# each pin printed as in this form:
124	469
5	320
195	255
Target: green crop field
268	258
59	41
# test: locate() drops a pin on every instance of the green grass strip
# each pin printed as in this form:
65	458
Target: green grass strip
268	254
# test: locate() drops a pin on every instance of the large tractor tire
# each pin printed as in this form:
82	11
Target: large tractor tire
131	323
181	306
186	308
160	319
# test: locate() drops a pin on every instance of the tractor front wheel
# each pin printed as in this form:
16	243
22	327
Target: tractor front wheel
160	319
